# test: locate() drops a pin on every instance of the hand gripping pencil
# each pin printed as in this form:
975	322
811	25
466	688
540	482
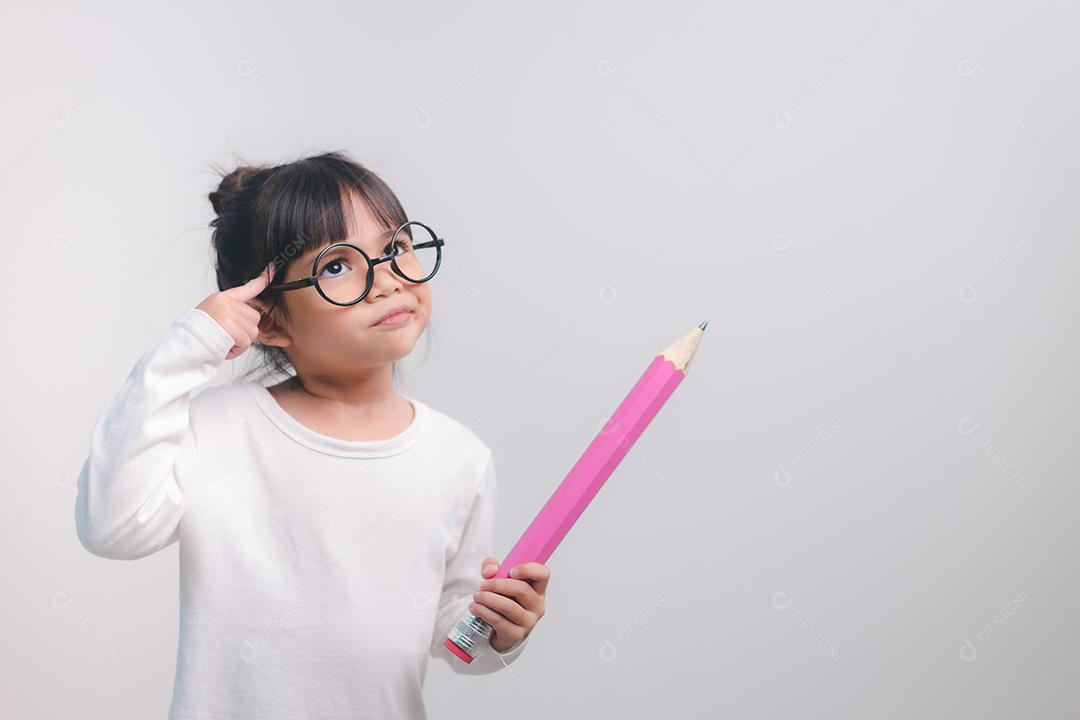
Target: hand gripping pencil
471	634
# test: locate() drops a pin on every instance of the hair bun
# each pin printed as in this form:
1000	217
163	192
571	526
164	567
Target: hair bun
230	185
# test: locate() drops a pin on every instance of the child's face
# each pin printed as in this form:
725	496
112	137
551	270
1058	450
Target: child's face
322	338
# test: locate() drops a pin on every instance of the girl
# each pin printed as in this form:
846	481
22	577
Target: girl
329	527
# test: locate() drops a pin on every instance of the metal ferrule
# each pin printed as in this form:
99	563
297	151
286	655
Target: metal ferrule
471	634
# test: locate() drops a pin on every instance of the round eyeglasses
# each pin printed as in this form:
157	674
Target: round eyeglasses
343	273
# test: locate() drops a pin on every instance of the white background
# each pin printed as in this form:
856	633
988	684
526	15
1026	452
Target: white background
860	502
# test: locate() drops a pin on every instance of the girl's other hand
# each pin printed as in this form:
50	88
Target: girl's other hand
238	312
512	606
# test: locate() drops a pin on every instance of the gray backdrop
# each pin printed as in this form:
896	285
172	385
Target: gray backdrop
859	503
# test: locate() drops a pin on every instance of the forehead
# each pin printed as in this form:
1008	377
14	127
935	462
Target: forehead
364	230
359	218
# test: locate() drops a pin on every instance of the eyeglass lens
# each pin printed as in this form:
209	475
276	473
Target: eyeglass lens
343	271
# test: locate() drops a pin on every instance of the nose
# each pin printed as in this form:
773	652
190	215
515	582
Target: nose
385	281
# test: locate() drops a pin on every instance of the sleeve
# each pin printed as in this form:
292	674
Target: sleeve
463	578
128	503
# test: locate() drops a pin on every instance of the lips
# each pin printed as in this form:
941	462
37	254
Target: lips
394	311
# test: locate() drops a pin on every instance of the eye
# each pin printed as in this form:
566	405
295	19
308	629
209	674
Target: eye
335	268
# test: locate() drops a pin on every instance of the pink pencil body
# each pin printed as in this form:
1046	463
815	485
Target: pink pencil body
596	464
587	476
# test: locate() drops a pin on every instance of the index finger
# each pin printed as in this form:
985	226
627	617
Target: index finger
251	289
534	573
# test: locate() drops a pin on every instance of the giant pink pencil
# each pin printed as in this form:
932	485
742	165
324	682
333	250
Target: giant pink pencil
601	457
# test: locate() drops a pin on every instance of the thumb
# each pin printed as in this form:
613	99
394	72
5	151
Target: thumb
489	566
254	286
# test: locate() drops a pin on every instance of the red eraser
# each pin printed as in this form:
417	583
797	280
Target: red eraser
456	650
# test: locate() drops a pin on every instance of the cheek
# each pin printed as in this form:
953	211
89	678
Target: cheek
423	297
310	316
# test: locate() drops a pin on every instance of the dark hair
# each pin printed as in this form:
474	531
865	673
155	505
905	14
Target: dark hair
277	213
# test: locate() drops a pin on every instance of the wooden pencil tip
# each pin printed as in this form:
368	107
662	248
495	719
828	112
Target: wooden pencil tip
681	352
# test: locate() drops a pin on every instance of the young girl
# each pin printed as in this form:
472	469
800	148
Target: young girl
330	529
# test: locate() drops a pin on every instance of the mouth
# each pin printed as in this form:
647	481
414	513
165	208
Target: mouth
396	316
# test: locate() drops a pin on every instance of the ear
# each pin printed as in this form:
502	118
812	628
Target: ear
272	331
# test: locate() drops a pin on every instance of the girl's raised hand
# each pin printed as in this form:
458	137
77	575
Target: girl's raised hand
238	312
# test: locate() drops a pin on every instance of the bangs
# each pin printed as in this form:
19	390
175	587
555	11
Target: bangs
303	206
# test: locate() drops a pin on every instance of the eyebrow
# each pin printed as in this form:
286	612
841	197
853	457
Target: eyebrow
313	253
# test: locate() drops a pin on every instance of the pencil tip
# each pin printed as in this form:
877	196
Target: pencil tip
703	324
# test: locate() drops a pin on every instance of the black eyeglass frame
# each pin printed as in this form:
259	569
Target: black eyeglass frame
313	279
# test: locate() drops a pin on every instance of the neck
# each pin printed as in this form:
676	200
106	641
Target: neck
371	390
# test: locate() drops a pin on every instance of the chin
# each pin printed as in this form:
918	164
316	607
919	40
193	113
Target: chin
401	343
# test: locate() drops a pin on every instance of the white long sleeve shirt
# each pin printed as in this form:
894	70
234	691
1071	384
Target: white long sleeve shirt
317	575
